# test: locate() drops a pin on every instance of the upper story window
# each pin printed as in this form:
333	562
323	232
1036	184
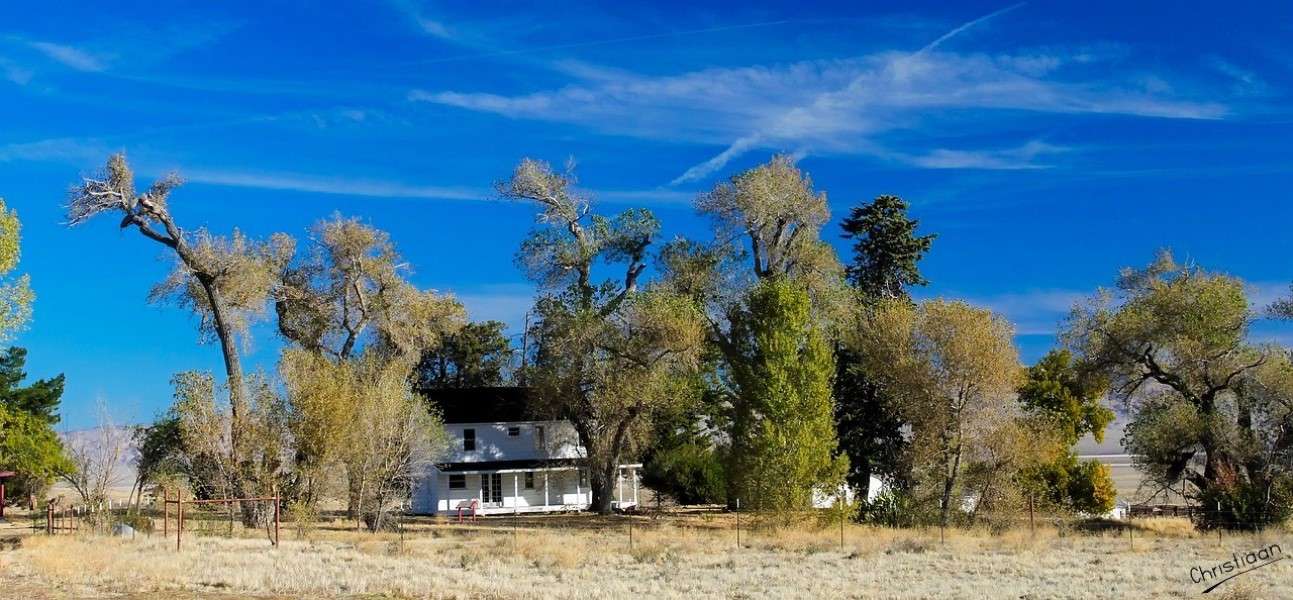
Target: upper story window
468	440
513	431
539	440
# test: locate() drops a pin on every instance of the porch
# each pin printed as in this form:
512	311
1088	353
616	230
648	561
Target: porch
495	491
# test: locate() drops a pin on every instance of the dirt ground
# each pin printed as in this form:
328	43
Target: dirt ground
686	555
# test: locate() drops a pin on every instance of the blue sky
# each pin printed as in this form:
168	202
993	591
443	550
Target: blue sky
1048	144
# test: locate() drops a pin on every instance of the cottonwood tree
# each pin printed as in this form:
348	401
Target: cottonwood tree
348	300
953	369
206	425
1172	341
16	296
360	414
608	356
28	444
395	437
884	265
767	223
226	282
350	292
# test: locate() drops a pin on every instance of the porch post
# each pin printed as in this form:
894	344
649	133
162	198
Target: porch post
579	495
619	487
545	489
480	490
516	494
634	473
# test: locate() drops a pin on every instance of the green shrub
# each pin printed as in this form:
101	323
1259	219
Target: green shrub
691	473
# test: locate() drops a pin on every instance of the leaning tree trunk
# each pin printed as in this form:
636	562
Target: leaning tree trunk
237	396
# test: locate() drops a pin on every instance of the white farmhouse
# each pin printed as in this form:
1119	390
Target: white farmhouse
502	461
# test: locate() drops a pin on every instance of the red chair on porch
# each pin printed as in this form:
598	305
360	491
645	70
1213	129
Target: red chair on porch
467	505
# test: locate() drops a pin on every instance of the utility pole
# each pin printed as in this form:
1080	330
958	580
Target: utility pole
525	346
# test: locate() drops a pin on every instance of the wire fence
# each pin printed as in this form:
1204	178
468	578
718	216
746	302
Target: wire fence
744	528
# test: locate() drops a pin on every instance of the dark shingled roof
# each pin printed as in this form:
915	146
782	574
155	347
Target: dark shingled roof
482	404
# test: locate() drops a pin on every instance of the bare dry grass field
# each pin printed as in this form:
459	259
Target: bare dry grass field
692	556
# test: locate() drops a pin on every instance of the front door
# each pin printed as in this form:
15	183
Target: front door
491	489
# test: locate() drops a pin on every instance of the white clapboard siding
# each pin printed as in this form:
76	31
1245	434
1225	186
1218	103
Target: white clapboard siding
493	443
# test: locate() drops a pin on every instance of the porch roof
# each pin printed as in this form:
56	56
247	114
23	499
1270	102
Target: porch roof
518	466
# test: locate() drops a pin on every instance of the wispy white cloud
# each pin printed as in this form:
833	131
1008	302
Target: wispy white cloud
1243	81
966	26
14	73
1019	157
849	105
333	185
70	56
388	188
77	150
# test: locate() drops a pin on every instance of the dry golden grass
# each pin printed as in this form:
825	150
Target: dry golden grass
670	558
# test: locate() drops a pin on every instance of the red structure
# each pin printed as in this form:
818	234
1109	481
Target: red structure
467	505
3	476
179	503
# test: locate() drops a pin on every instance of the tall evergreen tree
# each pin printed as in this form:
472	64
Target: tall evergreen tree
783	442
885	248
39	399
886	251
477	355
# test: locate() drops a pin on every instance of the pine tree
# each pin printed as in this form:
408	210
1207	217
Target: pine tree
885	248
40	399
886	251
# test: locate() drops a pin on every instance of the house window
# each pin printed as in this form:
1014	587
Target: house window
583	478
539	440
513	431
457	482
529	480
468	439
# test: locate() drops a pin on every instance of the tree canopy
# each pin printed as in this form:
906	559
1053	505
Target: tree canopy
40	398
608	355
16	296
886	249
479	354
953	369
1172	340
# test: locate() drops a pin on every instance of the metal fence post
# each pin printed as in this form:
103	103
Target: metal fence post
738	522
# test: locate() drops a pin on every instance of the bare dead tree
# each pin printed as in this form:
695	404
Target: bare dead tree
95	456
